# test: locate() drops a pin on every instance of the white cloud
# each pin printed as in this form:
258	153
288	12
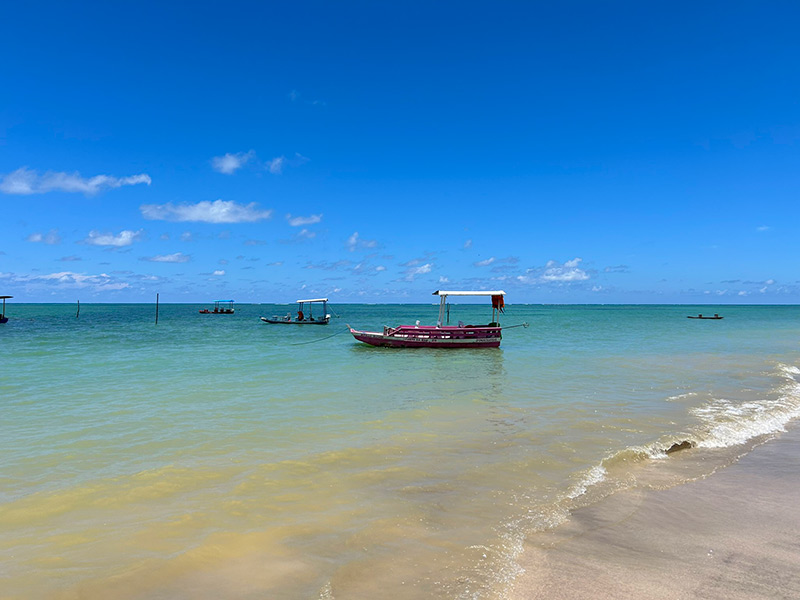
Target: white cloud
485	263
567	272
68	279
354	242
218	273
26	181
467	244
763	228
412	272
275	165
554	272
124	238
51	237
219	211
305	233
178	257
298	221
230	163
187	236
444	280
380	268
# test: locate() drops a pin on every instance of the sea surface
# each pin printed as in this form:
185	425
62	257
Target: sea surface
216	456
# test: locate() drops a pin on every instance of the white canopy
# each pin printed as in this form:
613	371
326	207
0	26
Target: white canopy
314	300
468	293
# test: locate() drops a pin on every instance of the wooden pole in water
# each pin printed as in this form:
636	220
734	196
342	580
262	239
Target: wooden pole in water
78	314
156	309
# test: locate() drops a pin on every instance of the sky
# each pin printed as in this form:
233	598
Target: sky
565	152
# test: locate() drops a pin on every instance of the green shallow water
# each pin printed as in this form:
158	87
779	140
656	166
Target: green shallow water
217	456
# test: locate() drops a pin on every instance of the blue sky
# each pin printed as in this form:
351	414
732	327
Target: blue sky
374	152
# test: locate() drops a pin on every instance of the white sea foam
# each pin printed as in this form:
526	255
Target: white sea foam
728	423
682	396
593	476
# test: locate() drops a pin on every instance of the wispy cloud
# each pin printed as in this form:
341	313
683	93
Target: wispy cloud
295	96
178	257
421	270
354	242
69	279
219	211
279	163
275	165
299	221
617	269
467	244
51	237
555	272
306	234
484	263
71	258
230	163
415	267
219	273
569	271
25	181
123	238
763	228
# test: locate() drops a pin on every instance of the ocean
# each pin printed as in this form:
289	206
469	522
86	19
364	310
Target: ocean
213	456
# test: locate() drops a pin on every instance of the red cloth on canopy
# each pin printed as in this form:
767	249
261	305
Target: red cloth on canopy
498	303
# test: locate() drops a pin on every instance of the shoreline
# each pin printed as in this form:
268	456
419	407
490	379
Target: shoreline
734	534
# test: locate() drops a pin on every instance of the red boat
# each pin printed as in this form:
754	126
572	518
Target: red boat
440	335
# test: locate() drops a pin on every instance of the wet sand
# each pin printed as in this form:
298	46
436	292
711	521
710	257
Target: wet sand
732	535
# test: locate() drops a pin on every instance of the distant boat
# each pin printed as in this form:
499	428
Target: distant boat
700	316
440	335
302	318
221	307
3	317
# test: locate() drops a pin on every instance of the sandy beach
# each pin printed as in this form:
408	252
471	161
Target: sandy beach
734	534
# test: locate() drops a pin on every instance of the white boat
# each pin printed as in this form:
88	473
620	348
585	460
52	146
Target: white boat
301	318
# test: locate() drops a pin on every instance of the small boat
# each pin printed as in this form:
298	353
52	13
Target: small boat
3	317
441	335
700	316
221	307
302	318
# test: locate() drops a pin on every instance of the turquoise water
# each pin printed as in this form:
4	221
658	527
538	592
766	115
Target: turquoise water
217	456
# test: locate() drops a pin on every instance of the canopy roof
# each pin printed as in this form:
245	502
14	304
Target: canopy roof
4	297
314	300
223	300
469	293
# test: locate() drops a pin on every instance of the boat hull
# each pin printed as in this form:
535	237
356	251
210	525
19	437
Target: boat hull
431	337
295	322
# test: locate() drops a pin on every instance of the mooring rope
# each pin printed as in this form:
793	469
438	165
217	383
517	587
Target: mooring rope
318	340
512	326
